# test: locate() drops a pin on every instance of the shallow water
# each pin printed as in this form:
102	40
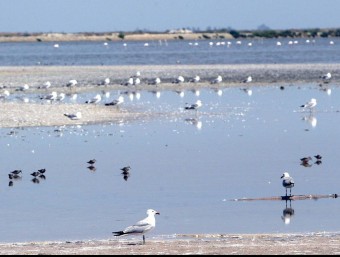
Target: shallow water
187	165
173	52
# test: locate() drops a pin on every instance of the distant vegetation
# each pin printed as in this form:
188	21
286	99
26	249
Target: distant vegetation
185	33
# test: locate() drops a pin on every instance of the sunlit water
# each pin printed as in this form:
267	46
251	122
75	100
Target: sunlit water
187	165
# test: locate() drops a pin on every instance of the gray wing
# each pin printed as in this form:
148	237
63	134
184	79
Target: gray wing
139	228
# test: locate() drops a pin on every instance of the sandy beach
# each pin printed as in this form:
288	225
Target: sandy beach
233	244
88	77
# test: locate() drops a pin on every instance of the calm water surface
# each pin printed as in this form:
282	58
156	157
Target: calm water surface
188	172
173	52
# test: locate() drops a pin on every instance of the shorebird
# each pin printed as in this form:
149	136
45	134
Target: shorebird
4	94
23	88
287	182
310	104
248	80
194	106
155	81
318	157
105	82
35	174
129	82
93	161
217	80
126	169
72	83
179	80
96	99
50	97
76	116
195	79
326	77
141	227
16	172
46	85
116	102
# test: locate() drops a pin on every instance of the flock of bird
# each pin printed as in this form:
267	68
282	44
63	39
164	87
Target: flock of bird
16	175
125	170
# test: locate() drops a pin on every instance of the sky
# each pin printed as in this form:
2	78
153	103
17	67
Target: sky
69	16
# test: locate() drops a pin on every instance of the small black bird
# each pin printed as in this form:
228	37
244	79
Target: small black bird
13	176
42	171
35	174
126	169
318	157
93	161
16	172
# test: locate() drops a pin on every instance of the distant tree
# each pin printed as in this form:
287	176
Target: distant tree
121	35
234	33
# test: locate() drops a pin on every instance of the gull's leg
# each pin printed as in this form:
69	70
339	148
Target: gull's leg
143	240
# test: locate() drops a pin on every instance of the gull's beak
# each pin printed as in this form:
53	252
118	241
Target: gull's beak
282	176
157	213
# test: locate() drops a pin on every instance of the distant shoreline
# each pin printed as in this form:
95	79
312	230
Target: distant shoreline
222	34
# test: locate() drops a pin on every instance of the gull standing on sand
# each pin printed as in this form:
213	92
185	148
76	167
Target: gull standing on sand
141	227
217	80
72	83
155	81
287	182
310	104
326	77
179	80
248	79
4	95
195	79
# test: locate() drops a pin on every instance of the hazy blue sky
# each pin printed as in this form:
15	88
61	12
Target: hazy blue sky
161	15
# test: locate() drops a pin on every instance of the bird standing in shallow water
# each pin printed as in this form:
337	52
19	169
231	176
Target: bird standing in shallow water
287	182
141	227
310	104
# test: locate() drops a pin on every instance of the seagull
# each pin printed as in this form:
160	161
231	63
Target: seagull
72	83
136	81
76	116
179	80
116	102
105	82
326	77
217	80
195	79
287	182
310	104
46	85
141	227
23	88
61	97
155	81
248	80
129	82
194	106
94	100
50	97
5	94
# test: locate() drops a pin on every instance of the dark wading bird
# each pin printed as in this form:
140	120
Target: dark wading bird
141	227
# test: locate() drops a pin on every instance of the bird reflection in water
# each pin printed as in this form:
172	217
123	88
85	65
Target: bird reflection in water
197	123
287	213
311	120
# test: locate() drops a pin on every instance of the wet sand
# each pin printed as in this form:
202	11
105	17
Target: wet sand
245	244
38	114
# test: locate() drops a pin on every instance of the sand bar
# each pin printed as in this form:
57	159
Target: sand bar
36	114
